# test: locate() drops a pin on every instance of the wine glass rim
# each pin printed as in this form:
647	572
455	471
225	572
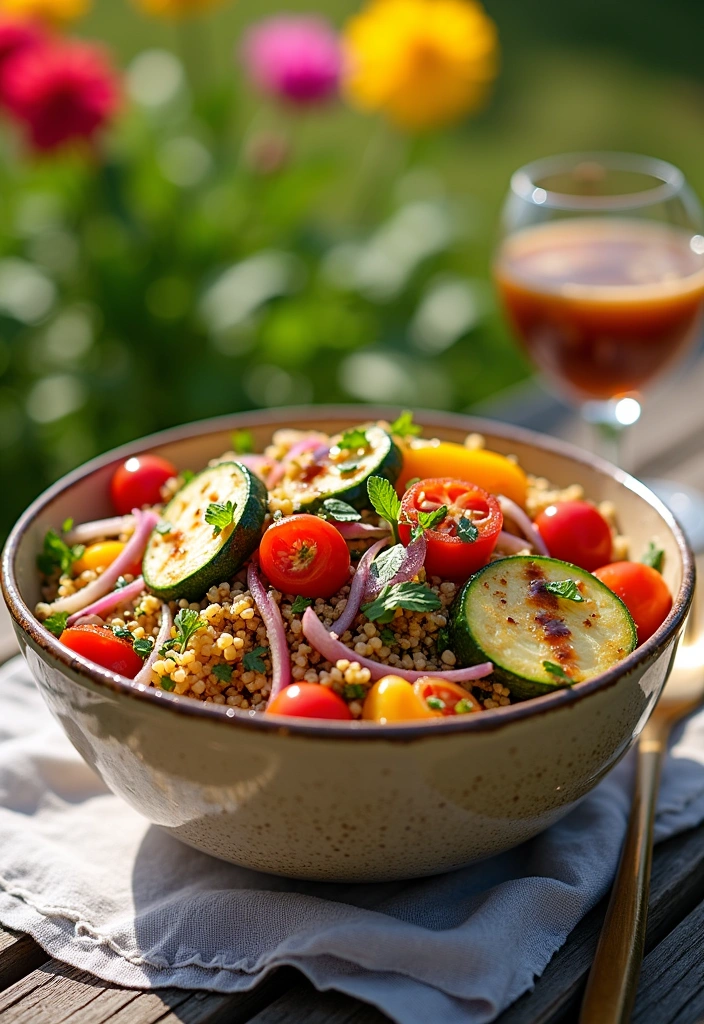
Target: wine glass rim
525	181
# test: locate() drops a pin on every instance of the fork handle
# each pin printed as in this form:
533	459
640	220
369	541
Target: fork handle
613	979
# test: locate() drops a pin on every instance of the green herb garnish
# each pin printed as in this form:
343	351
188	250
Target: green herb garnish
186	476
300	604
467	531
242	442
556	670
385	502
443	641
220	516
123	632
166	682
67	525
143	646
404	425
388	637
187	622
564	588
121	583
223	673
464	706
164	528
57	555
253	660
353	440
340	511
435	703
56	623
414	597
428	521
654	557
354	691
387	564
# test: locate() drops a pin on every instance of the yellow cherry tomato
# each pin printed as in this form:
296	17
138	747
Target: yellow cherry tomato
489	470
98	556
393	699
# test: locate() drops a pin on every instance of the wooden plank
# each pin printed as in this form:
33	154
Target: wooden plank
304	1005
18	956
672	985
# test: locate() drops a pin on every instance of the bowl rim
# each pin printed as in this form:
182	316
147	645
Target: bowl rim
490	720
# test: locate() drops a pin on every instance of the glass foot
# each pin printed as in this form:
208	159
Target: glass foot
687	504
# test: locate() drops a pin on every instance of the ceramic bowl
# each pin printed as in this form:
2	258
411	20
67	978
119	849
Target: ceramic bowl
354	801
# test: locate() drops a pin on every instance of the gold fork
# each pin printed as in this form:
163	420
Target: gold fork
613	979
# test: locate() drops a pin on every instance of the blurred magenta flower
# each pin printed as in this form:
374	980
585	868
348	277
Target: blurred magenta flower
18	34
295	58
60	92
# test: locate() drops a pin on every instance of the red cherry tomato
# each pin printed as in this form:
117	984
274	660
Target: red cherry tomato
309	700
98	644
452	554
305	555
576	532
449	694
643	591
139	481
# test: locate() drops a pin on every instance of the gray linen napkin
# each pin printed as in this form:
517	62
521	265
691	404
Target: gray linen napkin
101	889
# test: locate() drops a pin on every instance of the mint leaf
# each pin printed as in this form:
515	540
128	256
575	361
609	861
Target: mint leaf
187	622
223	673
404	425
387	564
143	646
353	440
57	555
467	531
340	511
354	691
654	557
242	442
56	623
384	501
414	597
564	588
556	670
428	521
253	661
300	604
220	516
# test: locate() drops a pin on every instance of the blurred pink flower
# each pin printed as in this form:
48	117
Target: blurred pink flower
60	92
18	34
295	58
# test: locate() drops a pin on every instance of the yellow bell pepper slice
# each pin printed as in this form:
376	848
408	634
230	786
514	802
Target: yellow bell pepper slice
98	556
488	470
393	699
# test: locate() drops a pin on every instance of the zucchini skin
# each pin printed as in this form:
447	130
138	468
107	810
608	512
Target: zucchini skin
469	651
356	494
243	541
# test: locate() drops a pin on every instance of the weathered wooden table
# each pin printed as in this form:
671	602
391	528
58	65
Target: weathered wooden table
35	989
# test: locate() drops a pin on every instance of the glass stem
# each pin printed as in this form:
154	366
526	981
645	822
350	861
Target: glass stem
609	442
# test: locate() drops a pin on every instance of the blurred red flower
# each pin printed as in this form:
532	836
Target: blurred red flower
60	92
17	35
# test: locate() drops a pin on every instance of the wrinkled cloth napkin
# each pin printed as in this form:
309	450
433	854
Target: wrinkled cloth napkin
101	889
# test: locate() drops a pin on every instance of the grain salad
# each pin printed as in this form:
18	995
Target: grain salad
373	575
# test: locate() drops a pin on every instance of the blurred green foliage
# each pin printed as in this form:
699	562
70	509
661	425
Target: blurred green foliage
229	255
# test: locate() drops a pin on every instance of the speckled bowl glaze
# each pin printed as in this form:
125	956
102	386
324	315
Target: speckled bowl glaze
358	801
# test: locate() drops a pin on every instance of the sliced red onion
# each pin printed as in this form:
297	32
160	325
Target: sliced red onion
306	444
413	561
512	544
332	649
110	601
86	532
523	522
257	463
359	585
361	531
131	553
271	616
144	675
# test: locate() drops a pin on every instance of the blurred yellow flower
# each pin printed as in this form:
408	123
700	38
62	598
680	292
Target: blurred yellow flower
47	10
176	8
423	63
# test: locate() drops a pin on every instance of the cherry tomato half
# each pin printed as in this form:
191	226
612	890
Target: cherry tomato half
393	699
138	482
643	591
576	532
98	644
489	470
433	691
309	700
452	553
303	554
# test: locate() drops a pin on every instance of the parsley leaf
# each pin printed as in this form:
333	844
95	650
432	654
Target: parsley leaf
556	670
353	439
564	588
467	531
404	425
414	597
253	660
387	564
187	622
384	501
123	632
164	528
143	646
300	604
464	706
340	511
223	673
242	442
220	516
67	525
166	682
56	623
654	557
354	691
57	555
428	521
